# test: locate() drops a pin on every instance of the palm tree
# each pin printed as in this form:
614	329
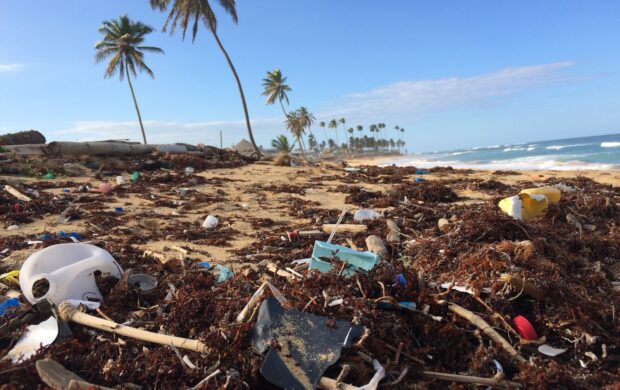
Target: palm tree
360	128
333	124
281	144
182	11
294	125
307	118
343	121
350	131
122	40
275	88
322	125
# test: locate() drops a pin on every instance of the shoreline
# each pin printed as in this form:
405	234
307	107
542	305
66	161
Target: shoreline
602	176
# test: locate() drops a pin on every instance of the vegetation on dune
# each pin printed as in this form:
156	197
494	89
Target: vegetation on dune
122	42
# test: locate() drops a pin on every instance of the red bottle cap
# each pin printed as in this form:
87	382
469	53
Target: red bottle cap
525	328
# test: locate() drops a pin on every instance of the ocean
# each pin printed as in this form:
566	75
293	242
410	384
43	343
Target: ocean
585	153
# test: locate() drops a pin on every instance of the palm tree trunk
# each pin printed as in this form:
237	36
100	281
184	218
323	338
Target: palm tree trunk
135	102
283	110
245	106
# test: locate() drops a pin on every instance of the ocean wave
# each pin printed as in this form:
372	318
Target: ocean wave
518	164
459	153
560	147
514	149
610	145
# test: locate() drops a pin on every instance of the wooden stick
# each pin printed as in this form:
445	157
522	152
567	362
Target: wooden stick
69	313
523	285
486	329
348	228
17	194
474	380
332	384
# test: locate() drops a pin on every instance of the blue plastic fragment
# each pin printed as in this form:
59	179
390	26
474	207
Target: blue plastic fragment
66	190
408	305
9	303
75	235
421	172
204	264
400	278
224	273
45	237
418	179
62	234
118	210
323	252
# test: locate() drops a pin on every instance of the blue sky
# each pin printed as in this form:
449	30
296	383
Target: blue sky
453	73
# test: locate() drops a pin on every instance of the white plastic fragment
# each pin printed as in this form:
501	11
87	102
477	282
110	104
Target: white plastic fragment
336	302
548	350
35	337
189	362
210	222
13	227
90	305
379	375
366	214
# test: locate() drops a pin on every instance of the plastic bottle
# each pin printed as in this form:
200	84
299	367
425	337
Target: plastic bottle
69	270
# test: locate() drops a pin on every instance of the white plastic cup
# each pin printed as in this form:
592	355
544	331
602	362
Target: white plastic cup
210	222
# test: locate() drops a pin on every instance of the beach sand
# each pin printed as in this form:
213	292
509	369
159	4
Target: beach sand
255	192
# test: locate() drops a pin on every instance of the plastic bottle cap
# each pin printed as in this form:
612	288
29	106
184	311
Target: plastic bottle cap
525	328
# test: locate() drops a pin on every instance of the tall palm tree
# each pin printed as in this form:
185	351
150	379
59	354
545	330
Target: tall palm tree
360	128
333	124
281	144
184	11
122	40
275	88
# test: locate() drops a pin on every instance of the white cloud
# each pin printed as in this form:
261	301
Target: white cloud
403	99
170	132
411	98
10	67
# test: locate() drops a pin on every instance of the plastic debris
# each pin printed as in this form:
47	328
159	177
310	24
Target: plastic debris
524	206
551	193
120	180
13	227
224	273
365	215
548	350
190	170
356	261
146	283
135	176
307	344
49	175
419	180
525	328
67	270
35	337
8	305
210	222
11	277
105	187
118	210
204	264
400	279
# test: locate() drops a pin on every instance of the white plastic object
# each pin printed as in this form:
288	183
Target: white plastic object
210	222
120	180
364	214
69	270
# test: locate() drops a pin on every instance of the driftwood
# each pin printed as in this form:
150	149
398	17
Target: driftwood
22	138
69	313
17	194
348	228
487	330
474	380
57	377
104	148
